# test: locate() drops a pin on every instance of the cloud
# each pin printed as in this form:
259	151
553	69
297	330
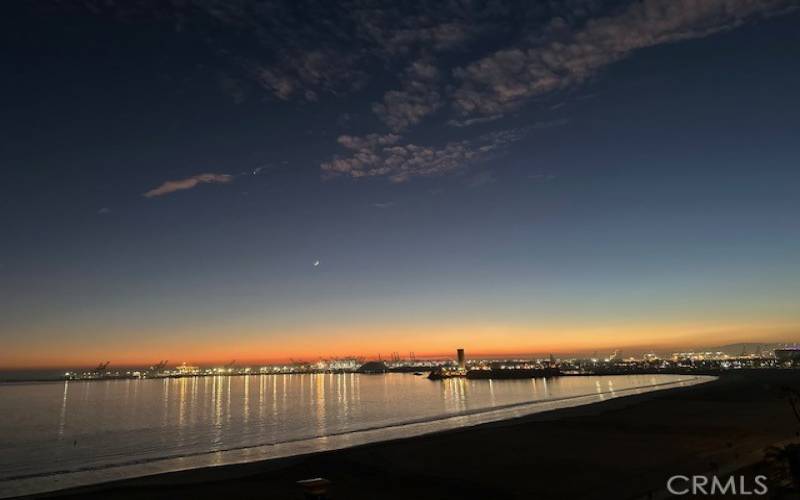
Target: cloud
397	28
418	98
439	37
104	211
468	63
383	205
511	77
557	122
188	183
567	51
370	141
473	121
307	73
318	48
384	156
315	48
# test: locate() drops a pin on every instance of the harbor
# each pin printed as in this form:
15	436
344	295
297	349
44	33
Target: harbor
700	362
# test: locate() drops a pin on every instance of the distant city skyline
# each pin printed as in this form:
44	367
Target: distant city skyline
116	362
211	181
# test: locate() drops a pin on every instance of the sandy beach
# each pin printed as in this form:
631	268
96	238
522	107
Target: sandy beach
623	448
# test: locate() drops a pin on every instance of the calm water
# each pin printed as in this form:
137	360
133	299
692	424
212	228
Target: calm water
51	428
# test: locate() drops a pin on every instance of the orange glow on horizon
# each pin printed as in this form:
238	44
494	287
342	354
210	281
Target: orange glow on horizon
254	349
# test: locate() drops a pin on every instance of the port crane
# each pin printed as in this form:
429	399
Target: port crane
159	366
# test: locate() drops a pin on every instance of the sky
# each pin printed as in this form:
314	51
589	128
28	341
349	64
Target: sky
206	181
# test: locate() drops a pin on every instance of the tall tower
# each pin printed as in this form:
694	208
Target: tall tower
462	360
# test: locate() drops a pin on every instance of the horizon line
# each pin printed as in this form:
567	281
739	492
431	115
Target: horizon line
432	356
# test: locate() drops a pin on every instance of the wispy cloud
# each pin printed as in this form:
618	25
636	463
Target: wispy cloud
320	48
386	156
473	121
418	98
511	77
383	205
188	183
463	63
307	73
566	51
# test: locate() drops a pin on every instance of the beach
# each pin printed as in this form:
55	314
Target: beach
621	448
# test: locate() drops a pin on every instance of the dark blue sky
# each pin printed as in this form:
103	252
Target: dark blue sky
508	177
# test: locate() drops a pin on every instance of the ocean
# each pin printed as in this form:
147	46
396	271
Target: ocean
58	434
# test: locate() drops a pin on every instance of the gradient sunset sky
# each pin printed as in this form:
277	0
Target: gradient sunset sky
204	181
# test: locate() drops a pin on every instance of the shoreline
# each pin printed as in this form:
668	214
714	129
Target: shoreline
238	474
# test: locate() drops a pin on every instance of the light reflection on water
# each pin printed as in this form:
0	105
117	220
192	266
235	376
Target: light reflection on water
64	426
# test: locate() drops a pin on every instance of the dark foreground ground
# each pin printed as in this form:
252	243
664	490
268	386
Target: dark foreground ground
620	449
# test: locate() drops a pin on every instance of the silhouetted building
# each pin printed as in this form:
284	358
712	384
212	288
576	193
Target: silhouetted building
373	367
462	360
788	354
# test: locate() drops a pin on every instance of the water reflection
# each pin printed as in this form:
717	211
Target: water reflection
319	403
217	391
165	398
111	421
246	400
228	399
454	390
182	404
599	390
62	421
